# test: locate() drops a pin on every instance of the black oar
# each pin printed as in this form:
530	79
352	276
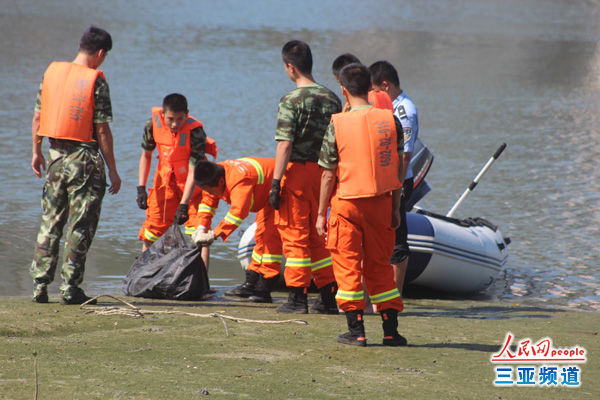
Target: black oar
476	180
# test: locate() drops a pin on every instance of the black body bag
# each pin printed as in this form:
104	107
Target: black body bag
169	269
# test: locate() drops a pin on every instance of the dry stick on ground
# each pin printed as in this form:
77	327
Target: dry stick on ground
137	312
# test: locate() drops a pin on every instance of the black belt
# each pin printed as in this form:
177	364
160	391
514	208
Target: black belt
303	161
70	145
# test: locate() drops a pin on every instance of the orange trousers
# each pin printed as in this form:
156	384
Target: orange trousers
267	254
304	249
163	200
361	240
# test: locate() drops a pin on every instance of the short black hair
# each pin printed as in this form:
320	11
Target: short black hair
341	61
175	102
356	79
95	39
297	53
384	71
208	173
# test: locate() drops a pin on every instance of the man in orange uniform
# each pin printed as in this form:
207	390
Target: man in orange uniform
181	141
245	184
301	123
73	110
379	99
362	147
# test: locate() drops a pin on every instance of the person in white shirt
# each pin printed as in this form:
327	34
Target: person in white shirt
384	77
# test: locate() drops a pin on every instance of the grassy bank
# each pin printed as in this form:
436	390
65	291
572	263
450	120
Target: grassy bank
177	356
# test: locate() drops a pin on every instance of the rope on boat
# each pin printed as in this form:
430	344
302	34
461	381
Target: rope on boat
136	312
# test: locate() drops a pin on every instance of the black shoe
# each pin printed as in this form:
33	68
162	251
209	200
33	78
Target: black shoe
297	302
40	294
348	338
326	303
261	297
396	340
75	296
246	289
356	329
391	337
262	290
318	307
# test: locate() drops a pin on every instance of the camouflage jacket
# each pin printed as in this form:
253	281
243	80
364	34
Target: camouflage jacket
303	116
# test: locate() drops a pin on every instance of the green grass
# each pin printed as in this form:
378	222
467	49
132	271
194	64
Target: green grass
172	356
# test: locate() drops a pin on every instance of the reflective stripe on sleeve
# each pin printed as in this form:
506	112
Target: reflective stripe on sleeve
232	219
259	170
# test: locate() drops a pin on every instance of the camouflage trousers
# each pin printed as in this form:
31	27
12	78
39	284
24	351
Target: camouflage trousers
72	196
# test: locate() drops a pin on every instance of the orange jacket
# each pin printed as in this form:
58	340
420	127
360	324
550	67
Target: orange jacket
379	99
67	107
247	185
174	149
366	140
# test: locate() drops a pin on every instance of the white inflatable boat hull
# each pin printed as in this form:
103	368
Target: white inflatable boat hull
446	254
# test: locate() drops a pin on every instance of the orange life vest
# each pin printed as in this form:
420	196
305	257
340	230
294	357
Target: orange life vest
174	149
67	107
378	99
367	147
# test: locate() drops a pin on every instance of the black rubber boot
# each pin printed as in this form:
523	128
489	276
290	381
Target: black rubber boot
246	289
75	295
391	337
40	293
356	329
326	303
297	302
262	290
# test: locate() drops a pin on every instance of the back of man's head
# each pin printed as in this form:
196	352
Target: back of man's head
208	173
297	53
175	102
341	61
384	71
356	79
95	39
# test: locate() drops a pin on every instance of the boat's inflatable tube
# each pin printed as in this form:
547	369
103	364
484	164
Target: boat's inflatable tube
456	256
447	254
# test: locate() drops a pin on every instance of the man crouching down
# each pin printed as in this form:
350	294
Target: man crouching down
362	147
244	184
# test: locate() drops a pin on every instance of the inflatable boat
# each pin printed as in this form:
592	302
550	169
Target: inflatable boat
452	255
447	254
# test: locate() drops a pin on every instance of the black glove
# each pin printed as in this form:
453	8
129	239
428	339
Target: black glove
274	194
182	214
142	197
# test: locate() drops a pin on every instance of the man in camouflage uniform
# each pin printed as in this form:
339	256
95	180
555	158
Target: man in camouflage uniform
75	179
303	116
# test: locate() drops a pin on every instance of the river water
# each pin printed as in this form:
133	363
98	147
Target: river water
482	72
